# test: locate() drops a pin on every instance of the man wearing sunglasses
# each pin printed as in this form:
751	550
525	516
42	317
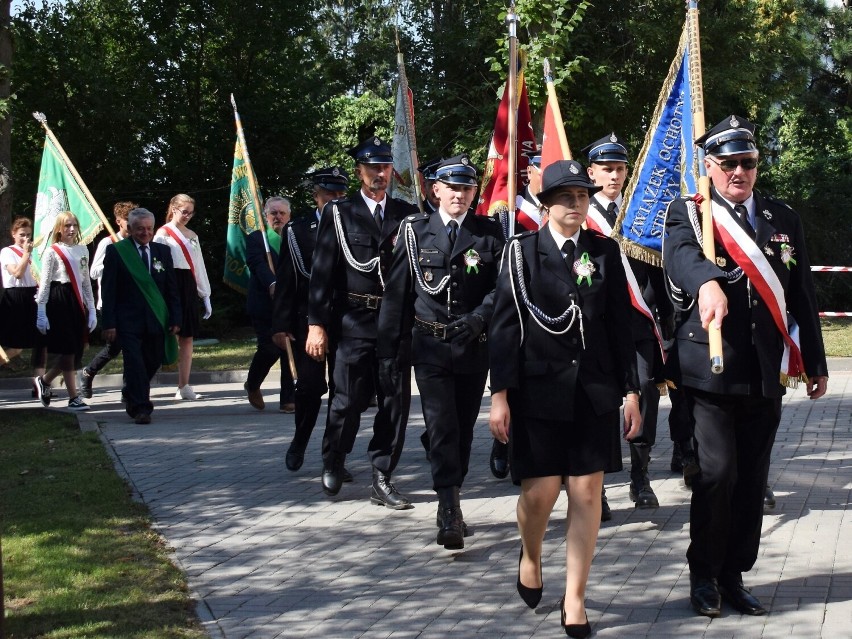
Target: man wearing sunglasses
760	293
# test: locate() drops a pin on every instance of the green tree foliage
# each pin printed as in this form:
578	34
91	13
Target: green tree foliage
138	90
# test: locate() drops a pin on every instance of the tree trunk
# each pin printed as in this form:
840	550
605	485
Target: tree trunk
5	125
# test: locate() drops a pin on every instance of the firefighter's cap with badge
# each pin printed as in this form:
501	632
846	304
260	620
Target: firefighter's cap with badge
330	178
456	170
373	150
731	136
562	174
609	148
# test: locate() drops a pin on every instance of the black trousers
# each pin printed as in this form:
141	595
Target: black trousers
356	378
680	418
143	355
450	408
734	436
647	360
264	359
104	357
310	388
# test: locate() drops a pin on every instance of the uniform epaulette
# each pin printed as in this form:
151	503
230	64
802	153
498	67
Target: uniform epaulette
775	200
525	234
416	217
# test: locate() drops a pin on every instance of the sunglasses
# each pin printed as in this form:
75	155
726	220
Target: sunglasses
731	165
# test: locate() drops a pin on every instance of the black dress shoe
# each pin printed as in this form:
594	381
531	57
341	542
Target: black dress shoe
499	461
142	418
531	596
606	511
386	494
332	477
347	476
768	499
86	384
704	596
295	457
733	591
576	630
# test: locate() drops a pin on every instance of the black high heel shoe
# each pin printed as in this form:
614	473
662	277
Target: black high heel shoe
531	596
575	630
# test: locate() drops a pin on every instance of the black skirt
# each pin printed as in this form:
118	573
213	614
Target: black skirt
546	448
18	318
68	332
189	303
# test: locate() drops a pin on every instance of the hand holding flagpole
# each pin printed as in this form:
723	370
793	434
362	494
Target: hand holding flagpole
714	332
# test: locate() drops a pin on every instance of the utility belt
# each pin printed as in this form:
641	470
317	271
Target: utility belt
439	331
362	300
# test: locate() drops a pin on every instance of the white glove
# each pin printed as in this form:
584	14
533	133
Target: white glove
41	319
208	309
93	319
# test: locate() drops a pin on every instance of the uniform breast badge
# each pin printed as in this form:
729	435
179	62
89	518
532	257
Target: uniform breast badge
767	215
583	268
427	275
768	250
158	265
472	261
721	262
787	258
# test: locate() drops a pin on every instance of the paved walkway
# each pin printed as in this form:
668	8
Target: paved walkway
269	556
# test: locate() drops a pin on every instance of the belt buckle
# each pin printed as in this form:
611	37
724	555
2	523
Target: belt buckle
372	302
439	333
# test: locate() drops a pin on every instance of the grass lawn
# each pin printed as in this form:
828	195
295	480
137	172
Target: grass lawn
79	557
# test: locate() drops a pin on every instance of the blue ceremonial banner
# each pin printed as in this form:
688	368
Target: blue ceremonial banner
664	169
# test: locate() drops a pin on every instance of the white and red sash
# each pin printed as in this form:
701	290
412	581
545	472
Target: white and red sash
16	250
595	220
757	268
528	214
72	267
183	243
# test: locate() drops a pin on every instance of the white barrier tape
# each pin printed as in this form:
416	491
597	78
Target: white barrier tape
834	314
832	269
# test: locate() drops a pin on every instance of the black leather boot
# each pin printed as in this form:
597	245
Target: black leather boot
606	511
451	533
386	494
689	461
641	492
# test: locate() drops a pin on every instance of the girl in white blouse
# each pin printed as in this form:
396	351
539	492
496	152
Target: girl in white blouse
66	308
17	303
193	283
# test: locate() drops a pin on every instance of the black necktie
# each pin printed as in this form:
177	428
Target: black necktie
377	215
611	213
143	251
742	213
452	231
568	249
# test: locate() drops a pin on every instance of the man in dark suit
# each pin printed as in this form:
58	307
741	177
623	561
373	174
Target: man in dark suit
259	305
651	308
354	248
758	292
290	309
141	307
442	283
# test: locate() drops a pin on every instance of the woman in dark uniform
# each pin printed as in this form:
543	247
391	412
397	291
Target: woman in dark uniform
562	360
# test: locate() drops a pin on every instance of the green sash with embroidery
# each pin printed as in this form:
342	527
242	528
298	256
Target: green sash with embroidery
133	261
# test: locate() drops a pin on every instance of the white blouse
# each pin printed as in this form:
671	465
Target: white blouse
202	283
53	270
8	257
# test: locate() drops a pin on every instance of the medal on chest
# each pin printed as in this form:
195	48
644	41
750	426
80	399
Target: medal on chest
583	269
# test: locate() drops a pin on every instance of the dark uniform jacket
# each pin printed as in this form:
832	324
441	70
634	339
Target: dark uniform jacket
258	301
124	307
748	321
471	289
290	305
541	370
333	277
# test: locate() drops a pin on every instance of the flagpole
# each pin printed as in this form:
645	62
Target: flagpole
512	177
697	90
42	119
409	127
557	114
255	196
